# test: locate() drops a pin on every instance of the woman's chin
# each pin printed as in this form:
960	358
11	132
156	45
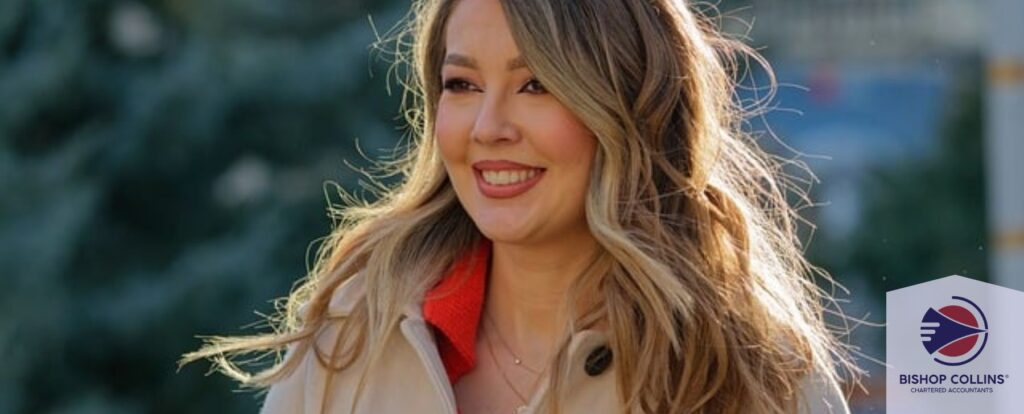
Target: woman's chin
504	232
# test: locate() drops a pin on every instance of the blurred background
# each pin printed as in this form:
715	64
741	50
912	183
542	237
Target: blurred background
166	168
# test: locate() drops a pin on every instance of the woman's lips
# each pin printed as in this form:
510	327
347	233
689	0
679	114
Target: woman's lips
508	190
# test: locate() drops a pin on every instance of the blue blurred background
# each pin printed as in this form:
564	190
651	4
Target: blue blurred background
164	167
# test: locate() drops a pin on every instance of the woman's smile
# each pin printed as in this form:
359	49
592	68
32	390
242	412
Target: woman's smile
505	179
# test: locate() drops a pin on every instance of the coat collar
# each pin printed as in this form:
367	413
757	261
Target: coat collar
453	309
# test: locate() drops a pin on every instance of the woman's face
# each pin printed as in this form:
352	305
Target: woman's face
518	159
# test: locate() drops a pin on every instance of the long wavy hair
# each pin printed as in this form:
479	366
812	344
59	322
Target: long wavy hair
701	277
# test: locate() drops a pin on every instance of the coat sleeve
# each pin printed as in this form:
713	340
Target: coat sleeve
287	395
821	395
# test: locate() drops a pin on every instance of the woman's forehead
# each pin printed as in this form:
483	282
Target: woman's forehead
478	32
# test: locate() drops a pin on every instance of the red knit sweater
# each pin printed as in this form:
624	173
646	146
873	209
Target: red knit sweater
453	309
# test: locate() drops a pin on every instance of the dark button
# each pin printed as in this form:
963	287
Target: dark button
598	360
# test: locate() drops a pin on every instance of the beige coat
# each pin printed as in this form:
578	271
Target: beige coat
412	379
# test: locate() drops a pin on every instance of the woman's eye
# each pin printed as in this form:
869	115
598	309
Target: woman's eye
457	85
533	86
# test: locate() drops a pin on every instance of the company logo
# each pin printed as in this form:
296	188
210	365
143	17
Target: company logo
956	333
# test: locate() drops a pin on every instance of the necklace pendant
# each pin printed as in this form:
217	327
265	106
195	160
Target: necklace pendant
517	361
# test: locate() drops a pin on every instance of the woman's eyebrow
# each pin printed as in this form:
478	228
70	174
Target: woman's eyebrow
465	61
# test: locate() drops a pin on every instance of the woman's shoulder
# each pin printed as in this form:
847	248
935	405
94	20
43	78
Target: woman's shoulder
330	368
289	394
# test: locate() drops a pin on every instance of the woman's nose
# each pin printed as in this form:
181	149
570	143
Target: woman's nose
494	123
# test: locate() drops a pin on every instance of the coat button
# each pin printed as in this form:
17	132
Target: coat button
598	361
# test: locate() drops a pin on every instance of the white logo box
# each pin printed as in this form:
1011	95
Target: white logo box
991	383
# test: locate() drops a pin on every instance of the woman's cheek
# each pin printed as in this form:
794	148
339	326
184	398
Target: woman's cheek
447	135
566	138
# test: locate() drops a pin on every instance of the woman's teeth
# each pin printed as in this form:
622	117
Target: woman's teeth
508	177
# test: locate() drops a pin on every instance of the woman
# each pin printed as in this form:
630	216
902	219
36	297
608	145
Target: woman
582	228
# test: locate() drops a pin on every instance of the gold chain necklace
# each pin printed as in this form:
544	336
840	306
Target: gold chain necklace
515	359
522	399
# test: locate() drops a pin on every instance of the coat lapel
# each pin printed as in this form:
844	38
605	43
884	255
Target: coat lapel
412	378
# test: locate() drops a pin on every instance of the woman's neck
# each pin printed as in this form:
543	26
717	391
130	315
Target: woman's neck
528	290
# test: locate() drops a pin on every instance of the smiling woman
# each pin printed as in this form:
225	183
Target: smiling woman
518	159
582	228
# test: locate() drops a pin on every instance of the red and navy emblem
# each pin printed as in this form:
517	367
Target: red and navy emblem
956	333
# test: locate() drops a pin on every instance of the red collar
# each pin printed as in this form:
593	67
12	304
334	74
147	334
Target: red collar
453	308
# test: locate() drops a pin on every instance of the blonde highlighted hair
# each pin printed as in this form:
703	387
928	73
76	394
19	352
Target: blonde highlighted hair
701	277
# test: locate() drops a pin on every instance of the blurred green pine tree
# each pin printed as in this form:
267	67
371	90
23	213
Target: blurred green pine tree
162	165
926	219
